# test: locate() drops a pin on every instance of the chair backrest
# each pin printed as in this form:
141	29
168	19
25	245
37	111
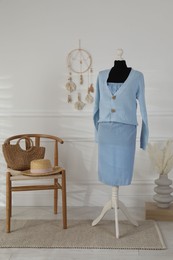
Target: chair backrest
37	140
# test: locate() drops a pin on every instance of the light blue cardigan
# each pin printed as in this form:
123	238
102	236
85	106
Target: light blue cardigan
121	107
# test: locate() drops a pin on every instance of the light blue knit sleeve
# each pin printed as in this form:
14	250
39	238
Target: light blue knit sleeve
96	108
141	98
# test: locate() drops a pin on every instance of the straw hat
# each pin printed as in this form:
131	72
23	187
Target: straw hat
41	167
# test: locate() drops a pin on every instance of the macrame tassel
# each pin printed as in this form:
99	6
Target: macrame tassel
81	79
91	88
69	99
89	98
70	85
79	105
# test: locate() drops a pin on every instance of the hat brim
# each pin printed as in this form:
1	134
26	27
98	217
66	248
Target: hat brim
56	170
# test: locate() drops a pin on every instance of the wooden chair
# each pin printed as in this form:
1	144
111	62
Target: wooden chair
10	178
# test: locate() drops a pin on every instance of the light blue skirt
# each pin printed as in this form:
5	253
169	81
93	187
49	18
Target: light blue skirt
116	152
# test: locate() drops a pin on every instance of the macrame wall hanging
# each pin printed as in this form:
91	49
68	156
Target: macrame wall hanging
80	80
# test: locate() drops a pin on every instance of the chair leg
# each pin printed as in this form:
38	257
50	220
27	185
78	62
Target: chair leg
64	203
8	202
55	197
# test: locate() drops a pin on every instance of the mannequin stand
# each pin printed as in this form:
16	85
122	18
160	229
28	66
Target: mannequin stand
116	204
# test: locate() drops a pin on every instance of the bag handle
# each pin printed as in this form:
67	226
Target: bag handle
29	142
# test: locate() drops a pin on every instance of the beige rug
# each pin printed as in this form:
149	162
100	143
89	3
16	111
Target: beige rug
80	234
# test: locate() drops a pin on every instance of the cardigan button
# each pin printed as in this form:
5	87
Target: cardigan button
113	110
113	97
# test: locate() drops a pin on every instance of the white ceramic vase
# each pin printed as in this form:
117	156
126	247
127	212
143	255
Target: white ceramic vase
163	191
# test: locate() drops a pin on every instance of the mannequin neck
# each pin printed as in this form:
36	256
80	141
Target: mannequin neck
119	73
120	64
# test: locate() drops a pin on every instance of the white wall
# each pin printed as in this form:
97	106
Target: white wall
35	38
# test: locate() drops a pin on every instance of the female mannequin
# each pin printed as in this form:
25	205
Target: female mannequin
115	122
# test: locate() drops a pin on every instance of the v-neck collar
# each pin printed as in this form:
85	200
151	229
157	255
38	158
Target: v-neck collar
132	72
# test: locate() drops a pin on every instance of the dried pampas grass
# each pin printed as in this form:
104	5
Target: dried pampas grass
161	156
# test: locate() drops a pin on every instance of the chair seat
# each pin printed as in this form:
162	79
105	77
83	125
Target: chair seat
18	176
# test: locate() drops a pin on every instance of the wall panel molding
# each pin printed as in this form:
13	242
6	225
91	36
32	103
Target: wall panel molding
68	114
72	139
88	193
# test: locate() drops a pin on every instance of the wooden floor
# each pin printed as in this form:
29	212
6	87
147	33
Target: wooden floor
80	254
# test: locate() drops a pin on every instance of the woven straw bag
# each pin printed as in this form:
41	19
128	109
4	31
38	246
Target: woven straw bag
18	158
